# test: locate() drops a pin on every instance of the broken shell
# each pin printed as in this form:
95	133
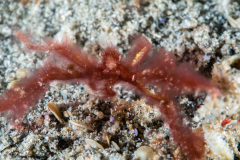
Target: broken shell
144	153
15	139
217	144
235	23
22	73
81	124
114	145
56	111
99	114
93	144
107	138
189	23
66	114
224	8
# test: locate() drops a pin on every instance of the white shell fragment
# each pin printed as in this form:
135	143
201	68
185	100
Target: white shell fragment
56	111
66	114
189	23
144	153
217	145
93	144
235	23
81	124
224	8
22	73
99	114
115	146
227	77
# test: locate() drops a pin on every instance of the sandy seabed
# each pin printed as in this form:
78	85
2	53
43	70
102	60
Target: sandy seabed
204	33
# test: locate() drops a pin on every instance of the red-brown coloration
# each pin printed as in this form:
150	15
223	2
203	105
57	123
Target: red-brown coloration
225	122
142	68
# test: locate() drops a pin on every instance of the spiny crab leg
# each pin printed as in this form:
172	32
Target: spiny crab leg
159	70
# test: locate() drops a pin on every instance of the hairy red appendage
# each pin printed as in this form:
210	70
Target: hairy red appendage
30	90
191	144
138	71
19	99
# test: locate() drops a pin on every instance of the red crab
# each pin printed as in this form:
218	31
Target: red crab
141	68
